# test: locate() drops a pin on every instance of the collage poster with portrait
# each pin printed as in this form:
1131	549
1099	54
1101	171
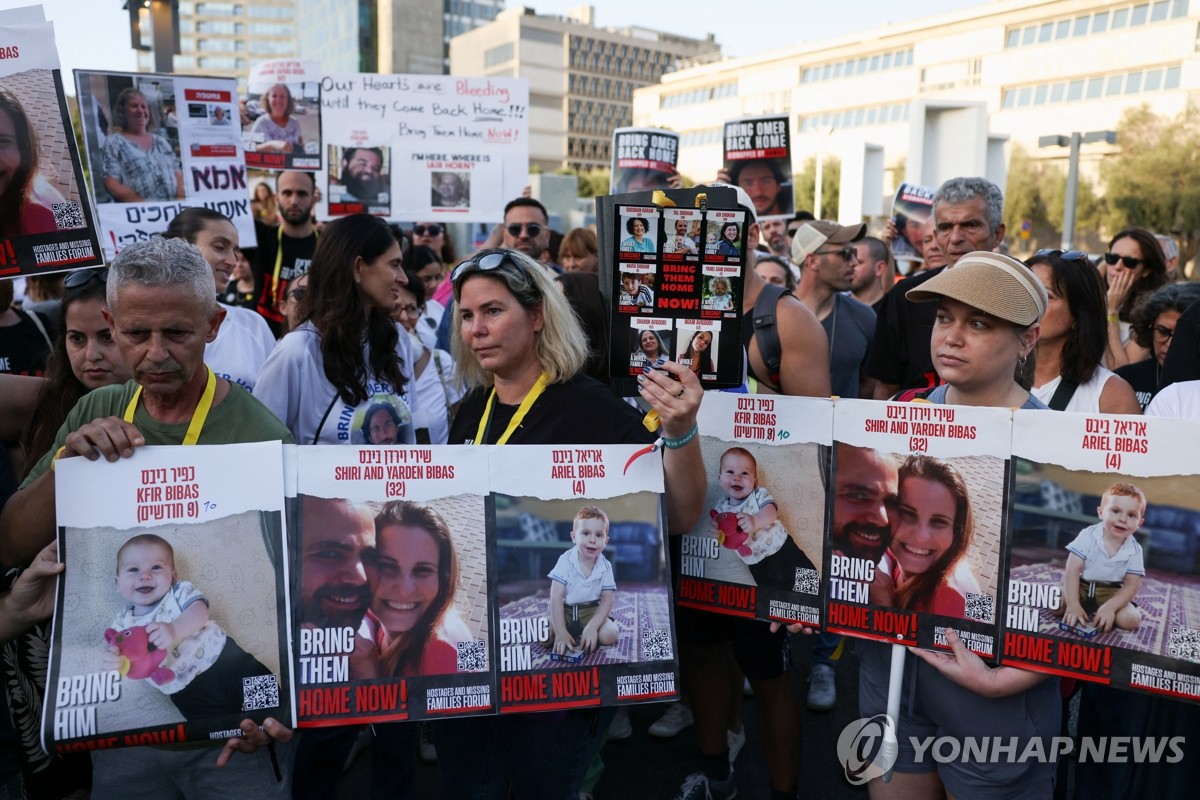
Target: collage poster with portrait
158	144
1104	557
193	635
758	158
677	293
450	148
643	159
583	583
48	221
914	545
281	118
757	550
391	584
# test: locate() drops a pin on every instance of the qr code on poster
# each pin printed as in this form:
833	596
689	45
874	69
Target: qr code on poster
1184	643
472	656
980	607
260	691
807	581
656	645
67	215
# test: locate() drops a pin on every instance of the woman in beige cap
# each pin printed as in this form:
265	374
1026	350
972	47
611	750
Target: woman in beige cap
987	325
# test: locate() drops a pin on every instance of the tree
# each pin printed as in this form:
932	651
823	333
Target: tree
1036	193
804	185
1154	182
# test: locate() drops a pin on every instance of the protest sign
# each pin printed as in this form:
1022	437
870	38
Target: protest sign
757	550
459	146
902	569
48	223
158	144
678	291
281	120
583	587
758	158
643	159
912	207
1102	571
194	636
415	640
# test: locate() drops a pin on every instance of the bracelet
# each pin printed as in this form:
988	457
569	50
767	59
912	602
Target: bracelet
675	444
57	455
1114	318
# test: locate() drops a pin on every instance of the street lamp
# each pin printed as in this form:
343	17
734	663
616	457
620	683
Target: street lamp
1073	141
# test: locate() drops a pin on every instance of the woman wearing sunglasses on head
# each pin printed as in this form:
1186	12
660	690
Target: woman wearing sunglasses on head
346	354
1069	374
1135	265
521	349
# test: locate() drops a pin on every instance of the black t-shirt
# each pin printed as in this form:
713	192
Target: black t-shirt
24	348
899	353
297	257
580	411
1143	377
1183	357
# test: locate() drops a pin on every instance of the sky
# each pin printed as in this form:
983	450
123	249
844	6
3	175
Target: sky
94	34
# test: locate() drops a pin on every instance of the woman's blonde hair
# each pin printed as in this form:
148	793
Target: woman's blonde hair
561	345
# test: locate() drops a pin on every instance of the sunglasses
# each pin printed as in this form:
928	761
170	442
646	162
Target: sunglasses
1065	255
427	230
83	277
532	229
1129	262
848	253
1162	333
484	262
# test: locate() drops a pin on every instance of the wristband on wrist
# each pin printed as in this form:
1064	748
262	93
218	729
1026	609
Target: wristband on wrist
675	444
57	455
1114	318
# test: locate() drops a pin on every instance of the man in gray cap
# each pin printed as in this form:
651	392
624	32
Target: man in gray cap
825	253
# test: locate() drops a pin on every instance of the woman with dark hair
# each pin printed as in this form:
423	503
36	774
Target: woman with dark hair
244	340
84	357
1069	374
380	425
413	583
20	213
423	262
1136	266
698	357
1155	323
139	164
347	352
277	131
583	293
650	346
728	243
932	527
434	383
638	241
988	312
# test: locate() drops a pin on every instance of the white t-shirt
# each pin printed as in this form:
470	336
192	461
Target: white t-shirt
242	345
1098	565
1087	395
293	386
1179	400
765	541
188	657
434	391
582	588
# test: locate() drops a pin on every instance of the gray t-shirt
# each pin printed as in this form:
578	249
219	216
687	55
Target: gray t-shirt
849	328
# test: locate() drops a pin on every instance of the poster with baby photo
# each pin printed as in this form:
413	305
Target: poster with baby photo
1104	558
757	550
392	583
582	578
281	116
661	272
914	542
48	222
171	622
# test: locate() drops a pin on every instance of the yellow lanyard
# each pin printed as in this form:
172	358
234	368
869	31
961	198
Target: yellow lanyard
538	387
198	417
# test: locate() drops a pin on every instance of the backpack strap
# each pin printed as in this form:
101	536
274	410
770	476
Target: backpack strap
1063	394
766	332
914	394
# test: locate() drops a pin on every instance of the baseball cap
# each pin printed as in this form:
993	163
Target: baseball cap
743	199
812	235
993	283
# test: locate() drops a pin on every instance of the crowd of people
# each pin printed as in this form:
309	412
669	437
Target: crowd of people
354	331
